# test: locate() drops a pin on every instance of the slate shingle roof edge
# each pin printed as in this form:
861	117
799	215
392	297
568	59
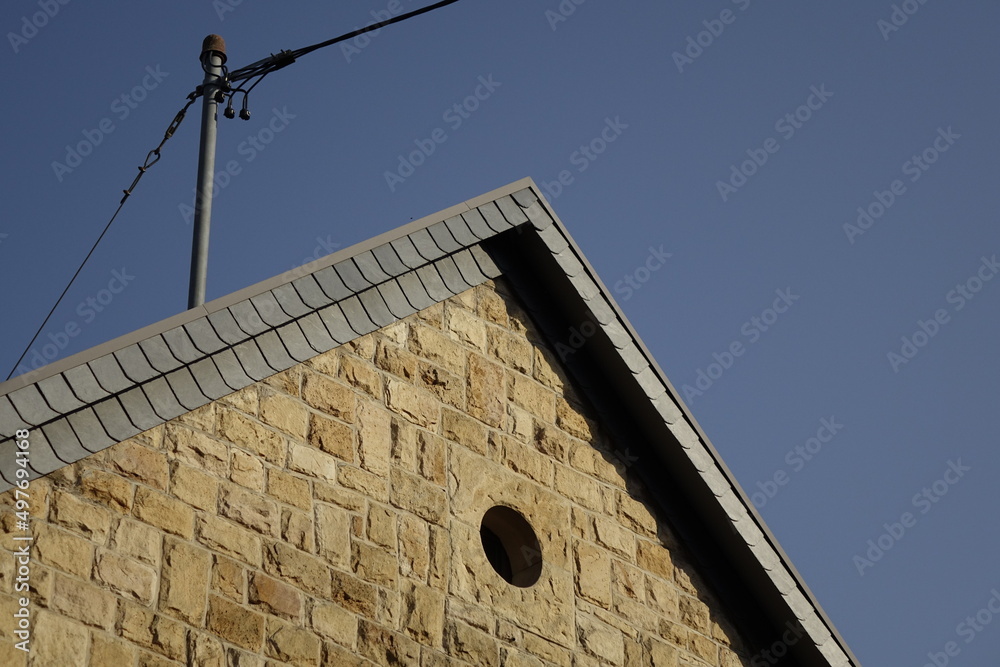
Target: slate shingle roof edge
87	402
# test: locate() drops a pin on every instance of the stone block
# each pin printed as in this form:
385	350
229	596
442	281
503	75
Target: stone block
471	645
485	391
62	550
227	537
459	427
137	540
252	436
297	529
303	570
198	449
80	516
247	470
84	602
332	437
228	578
329	396
235	624
251	510
139	463
373	563
335	622
333	533
423	614
285	413
654	558
289	489
312	462
57	641
593	573
395	360
415	494
533	396
152	631
184	581
433	346
194	487
291	645
162	511
374	438
274	597
600	640
464	326
110	490
416	405
127	577
361	375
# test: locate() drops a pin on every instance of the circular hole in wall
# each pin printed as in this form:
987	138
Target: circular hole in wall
511	546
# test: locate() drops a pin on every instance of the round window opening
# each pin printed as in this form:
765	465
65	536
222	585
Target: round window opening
511	546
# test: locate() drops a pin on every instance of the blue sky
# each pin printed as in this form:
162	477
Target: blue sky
741	137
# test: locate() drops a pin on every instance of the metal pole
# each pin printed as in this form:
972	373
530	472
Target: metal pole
213	56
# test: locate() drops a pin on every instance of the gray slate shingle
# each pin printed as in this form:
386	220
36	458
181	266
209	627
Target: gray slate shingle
477	224
331	284
138	409
295	342
186	389
115	420
414	291
231	370
356	316
274	351
180	345
443	238
388	260
351	275
226	328
370	268
158	354
451	275
395	300
310	292
378	312
425	245
109	374
209	379
31	406
270	310
64	442
89	430
203	336
252	360
161	397
248	318
290	301
58	394
407	252
134	363
336	324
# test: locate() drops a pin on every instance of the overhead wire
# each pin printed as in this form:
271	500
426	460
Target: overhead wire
260	68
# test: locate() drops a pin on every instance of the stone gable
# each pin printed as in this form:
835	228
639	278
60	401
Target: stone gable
330	515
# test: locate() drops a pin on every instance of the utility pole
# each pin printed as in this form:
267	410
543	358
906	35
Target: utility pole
213	57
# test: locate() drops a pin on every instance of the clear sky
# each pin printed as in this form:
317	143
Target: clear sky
741	137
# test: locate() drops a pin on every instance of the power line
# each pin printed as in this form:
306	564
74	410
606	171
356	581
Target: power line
260	69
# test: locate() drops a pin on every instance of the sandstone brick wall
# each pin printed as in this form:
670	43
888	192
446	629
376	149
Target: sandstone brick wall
330	516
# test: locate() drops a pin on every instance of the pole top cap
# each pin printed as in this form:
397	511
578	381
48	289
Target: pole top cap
214	43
